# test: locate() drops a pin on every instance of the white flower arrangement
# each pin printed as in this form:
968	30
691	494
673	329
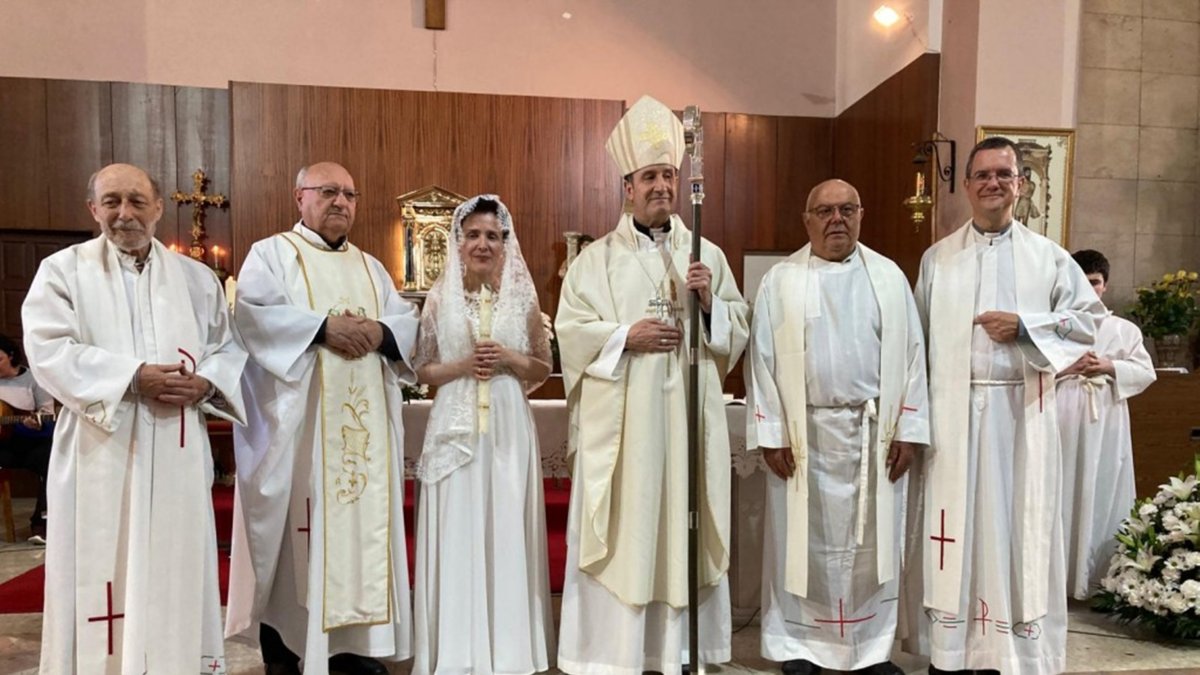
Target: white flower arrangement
1154	577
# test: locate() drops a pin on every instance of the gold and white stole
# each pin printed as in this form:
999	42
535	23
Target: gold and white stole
355	455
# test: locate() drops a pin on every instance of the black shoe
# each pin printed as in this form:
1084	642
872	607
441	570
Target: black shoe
283	669
800	667
353	664
934	670
885	668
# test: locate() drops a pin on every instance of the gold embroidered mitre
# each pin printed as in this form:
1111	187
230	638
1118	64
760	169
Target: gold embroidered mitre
648	134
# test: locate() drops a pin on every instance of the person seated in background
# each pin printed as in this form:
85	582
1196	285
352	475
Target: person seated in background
1097	450
27	416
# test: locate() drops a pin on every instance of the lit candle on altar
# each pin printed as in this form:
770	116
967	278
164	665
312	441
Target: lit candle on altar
218	253
484	390
174	247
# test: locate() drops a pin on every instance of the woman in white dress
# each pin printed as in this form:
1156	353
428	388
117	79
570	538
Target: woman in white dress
482	586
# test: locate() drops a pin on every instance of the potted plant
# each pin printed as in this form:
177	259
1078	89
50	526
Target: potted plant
1166	312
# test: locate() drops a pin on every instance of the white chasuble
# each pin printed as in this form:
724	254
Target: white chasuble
626	580
278	560
131	575
1098	476
355	467
992	563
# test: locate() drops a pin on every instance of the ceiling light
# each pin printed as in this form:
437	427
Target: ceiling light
886	16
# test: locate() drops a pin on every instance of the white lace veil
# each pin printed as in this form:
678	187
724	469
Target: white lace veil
447	335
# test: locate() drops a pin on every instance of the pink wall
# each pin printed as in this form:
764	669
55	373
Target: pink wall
868	53
766	56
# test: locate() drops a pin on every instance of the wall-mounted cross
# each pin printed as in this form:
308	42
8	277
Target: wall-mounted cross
199	201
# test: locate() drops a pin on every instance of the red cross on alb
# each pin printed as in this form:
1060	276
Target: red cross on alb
841	621
942	540
110	618
307	529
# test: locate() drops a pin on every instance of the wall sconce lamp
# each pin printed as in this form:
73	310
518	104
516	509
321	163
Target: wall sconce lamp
928	148
919	203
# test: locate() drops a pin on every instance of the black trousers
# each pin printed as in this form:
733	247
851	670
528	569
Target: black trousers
32	453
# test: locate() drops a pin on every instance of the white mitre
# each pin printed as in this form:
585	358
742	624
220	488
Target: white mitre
648	134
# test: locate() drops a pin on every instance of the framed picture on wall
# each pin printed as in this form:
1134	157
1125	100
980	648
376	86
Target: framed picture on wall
1044	198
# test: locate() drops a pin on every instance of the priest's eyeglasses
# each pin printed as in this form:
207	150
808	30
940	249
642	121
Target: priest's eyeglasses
332	191
825	212
1004	176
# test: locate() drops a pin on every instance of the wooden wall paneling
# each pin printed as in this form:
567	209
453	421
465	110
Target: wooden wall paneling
143	117
751	157
24	161
260	171
873	150
202	138
805	159
21	251
79	139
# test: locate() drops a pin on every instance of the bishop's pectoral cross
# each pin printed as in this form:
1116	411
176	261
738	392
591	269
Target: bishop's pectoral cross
664	308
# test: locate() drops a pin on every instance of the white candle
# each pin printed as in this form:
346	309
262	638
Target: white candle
484	391
230	290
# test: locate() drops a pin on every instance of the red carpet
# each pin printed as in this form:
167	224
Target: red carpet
23	594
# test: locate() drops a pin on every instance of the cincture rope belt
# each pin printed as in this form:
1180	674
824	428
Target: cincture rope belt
1092	386
996	383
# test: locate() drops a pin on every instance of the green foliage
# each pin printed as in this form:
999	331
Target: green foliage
1168	307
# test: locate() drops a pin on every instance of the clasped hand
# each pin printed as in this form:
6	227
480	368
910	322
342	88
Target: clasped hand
171	384
351	336
487	357
1090	365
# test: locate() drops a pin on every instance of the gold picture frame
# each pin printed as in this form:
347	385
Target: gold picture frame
1048	156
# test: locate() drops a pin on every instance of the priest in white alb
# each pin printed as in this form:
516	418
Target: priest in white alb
319	555
837	401
136	343
1093	420
1004	310
622	337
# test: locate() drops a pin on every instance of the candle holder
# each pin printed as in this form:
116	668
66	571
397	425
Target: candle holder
926	149
919	203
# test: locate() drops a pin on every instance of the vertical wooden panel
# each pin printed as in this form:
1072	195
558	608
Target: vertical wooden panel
805	159
543	156
24	158
201	142
79	131
260	169
873	151
751	156
143	118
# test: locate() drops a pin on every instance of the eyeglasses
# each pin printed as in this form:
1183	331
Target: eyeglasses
332	191
826	212
1003	176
